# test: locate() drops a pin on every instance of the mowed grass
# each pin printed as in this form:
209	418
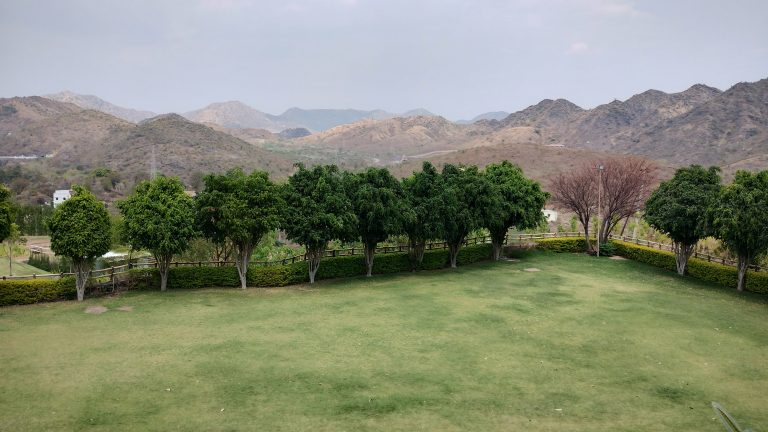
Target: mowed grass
19	268
582	345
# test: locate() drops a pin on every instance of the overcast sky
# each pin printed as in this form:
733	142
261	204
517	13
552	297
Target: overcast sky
457	58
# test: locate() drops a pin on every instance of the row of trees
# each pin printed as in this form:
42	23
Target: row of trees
314	207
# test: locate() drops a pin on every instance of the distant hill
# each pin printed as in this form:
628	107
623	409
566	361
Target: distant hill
493	115
323	119
237	115
95	103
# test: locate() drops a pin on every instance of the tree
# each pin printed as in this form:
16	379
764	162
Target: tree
241	208
80	231
159	217
317	211
514	201
464	195
679	206
7	212
419	218
739	218
626	184
377	199
577	191
12	240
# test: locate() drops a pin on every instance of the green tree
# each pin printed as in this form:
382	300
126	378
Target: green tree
80	231
739	218
377	199
513	200
318	210
7	212
679	206
419	218
241	208
13	239
464	196
159	217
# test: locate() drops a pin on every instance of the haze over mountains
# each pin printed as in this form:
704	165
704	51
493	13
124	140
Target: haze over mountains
699	125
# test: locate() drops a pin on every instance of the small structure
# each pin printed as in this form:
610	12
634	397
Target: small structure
550	215
60	196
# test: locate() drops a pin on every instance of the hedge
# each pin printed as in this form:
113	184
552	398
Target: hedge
290	274
706	271
18	292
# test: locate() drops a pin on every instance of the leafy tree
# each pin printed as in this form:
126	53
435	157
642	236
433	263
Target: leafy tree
679	206
159	217
513	200
419	218
465	195
739	218
377	199
12	240
7	212
241	208
80	231
318	210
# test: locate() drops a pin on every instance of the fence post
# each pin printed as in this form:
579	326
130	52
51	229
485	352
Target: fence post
34	275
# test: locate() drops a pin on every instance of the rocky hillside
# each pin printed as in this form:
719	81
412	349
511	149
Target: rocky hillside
98	104
237	115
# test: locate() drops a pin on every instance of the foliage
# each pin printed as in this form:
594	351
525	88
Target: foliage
80	230
607	249
565	244
624	188
420	221
7	212
241	208
739	218
159	217
43	262
679	207
513	200
318	210
18	292
464	198
31	219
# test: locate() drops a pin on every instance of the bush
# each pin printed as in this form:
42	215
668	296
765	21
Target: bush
290	274
699	269
18	292
607	249
564	244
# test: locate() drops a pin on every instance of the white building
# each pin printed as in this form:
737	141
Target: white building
550	215
60	196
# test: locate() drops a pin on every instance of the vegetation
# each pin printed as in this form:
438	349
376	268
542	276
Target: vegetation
420	221
159	217
239	208
13	240
464	197
7	213
679	208
582	345
80	231
318	210
739	218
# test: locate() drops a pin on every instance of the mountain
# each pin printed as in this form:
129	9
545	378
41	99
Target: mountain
95	103
545	114
323	119
493	115
237	115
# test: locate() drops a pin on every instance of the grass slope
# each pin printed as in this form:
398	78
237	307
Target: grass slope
19	268
581	345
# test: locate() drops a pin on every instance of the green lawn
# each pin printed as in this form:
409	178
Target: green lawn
584	344
19	268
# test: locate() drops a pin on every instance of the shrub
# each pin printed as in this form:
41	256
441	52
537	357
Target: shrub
607	249
18	292
564	244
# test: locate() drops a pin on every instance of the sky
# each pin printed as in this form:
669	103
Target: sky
456	58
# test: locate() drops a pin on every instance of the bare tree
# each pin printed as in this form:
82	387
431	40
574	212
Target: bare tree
577	191
626	185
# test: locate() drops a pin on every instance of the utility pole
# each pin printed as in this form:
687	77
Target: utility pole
599	189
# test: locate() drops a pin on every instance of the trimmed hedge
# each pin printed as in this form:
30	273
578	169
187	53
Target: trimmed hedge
710	272
18	292
726	276
563	244
290	274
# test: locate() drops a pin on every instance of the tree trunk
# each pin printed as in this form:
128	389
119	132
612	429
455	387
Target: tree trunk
586	234
313	258
624	227
81	277
163	264
416	252
370	251
743	263
683	252
497	239
244	251
453	249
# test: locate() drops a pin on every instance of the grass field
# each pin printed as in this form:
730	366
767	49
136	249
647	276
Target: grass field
581	345
19	268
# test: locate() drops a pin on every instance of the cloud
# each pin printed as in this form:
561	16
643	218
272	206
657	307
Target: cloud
578	48
611	7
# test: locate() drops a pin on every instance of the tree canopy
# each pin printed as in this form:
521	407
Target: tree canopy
739	218
241	208
464	196
7	213
678	208
318	210
420	219
159	217
80	230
